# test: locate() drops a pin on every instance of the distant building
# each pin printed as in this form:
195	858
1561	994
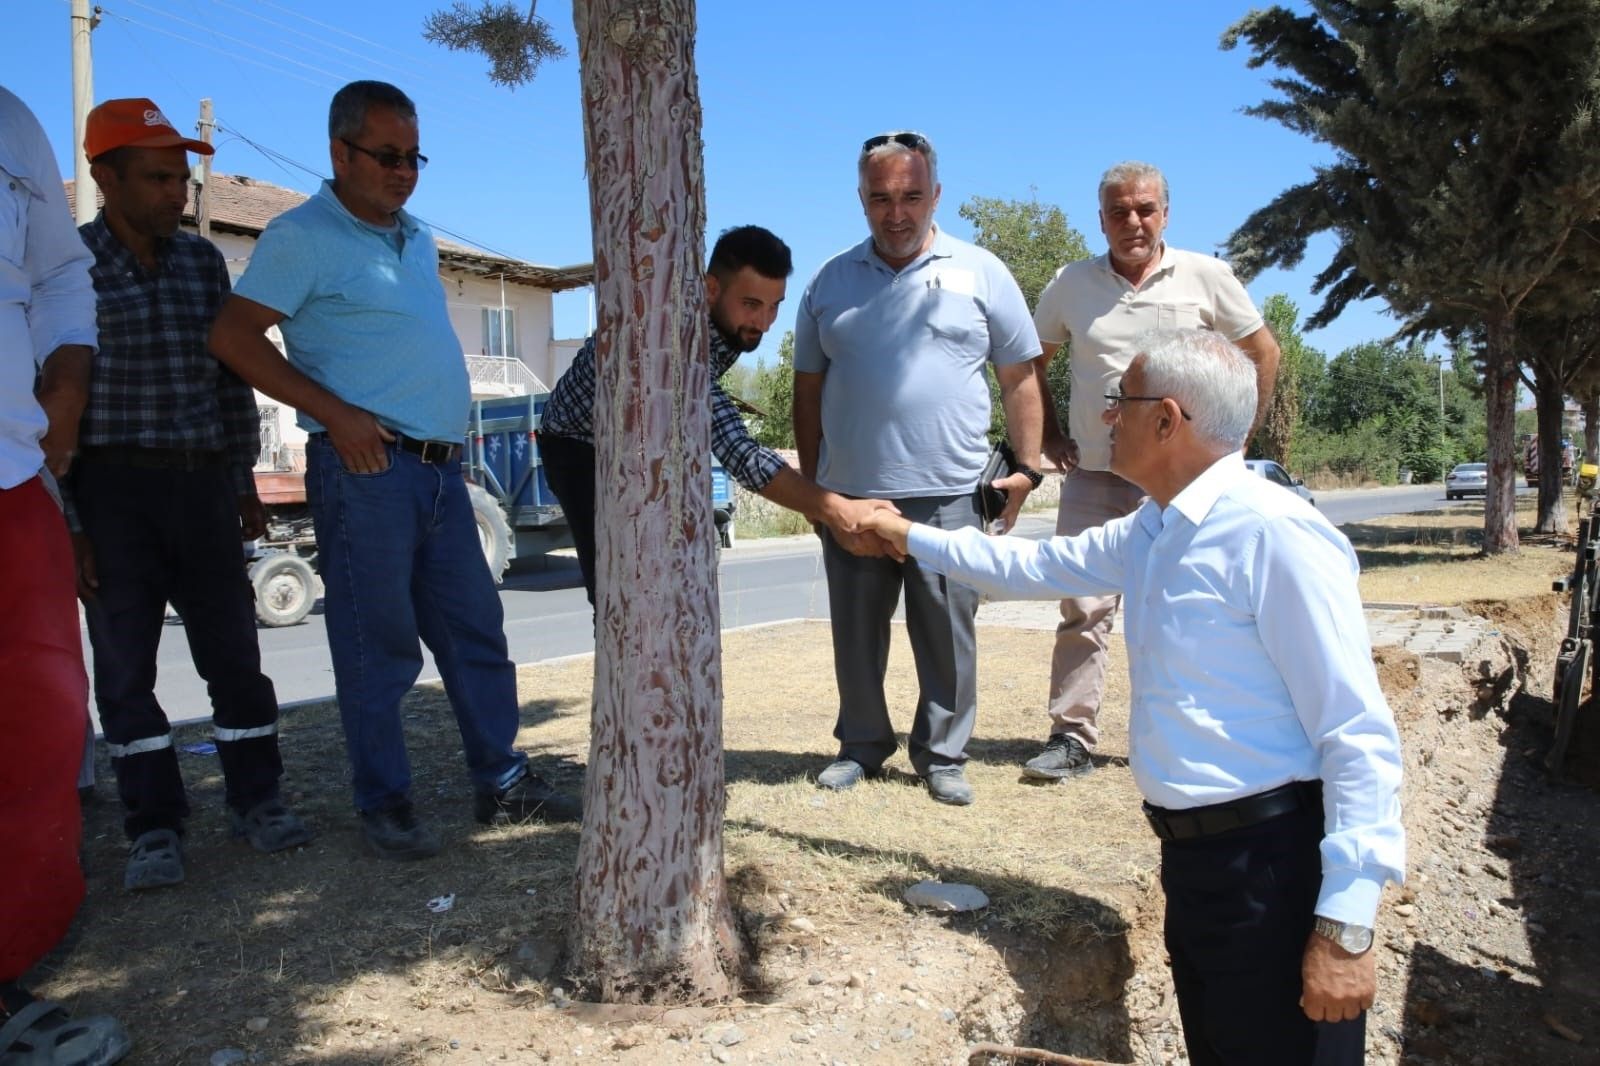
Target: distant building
501	308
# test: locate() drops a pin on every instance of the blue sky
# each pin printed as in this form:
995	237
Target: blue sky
1020	98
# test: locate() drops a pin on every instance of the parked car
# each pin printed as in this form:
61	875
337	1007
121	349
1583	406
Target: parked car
1467	479
1276	474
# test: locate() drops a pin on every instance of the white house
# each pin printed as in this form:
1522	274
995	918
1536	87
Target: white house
501	308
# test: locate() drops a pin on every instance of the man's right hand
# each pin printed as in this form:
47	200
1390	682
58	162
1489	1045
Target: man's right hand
83	560
890	528
360	440
1060	451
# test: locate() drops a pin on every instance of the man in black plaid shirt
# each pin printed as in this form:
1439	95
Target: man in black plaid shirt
161	497
745	282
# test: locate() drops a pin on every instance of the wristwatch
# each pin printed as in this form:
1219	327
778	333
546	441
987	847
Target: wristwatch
1034	477
1356	939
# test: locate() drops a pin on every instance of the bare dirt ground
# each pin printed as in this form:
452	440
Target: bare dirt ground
1488	955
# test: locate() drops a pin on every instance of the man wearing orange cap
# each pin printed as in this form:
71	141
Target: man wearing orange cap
46	330
162	495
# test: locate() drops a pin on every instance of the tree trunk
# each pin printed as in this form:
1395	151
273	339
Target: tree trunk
653	921
1549	401
1500	408
1591	426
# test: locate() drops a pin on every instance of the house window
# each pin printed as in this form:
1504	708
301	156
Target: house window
500	332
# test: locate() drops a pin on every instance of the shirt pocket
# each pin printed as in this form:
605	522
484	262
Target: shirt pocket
14	197
1180	315
955	323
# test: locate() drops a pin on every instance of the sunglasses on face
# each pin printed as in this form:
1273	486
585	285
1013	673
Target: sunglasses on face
391	160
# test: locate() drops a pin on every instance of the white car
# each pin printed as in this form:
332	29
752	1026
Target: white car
1279	476
1467	479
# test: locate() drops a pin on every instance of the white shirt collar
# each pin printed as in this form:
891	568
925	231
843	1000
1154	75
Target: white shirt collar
1197	498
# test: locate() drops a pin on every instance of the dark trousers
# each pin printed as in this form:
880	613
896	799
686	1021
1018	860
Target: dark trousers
862	596
163	536
1239	911
569	468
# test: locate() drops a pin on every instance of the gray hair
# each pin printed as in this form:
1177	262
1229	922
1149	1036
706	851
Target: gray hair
893	143
1129	172
348	112
1209	377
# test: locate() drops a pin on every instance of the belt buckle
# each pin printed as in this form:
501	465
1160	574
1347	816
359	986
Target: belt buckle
434	451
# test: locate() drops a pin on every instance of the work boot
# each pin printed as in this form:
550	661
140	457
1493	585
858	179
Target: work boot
394	833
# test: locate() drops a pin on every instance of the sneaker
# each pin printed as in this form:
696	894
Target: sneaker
154	861
528	796
1062	757
948	784
270	826
394	833
841	774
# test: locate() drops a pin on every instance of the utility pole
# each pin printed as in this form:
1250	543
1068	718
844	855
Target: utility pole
202	174
82	102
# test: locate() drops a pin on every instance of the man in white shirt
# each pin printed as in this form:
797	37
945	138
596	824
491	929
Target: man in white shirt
1099	307
47	330
1258	735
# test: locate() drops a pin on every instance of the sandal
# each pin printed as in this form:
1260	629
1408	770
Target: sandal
42	1033
270	826
156	859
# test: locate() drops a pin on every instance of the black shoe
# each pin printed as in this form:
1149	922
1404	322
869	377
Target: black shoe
395	834
1062	757
529	796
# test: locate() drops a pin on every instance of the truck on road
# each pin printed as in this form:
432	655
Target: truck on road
516	513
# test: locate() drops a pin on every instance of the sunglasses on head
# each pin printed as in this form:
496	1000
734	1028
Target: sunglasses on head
914	141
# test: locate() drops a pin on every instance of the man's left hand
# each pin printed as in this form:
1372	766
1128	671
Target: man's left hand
1016	487
1336	986
252	518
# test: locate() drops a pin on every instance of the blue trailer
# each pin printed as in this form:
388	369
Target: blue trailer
517	513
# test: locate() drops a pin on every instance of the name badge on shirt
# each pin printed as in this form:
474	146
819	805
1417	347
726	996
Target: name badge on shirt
956	280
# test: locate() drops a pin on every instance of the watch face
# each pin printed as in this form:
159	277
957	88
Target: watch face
1355	939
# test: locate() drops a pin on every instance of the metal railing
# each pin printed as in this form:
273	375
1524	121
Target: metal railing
499	372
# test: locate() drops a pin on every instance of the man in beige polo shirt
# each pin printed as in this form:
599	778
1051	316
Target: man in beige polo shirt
1098	307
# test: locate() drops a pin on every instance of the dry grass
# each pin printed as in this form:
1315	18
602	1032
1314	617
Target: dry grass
339	958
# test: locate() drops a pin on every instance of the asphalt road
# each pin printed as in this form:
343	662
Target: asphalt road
548	617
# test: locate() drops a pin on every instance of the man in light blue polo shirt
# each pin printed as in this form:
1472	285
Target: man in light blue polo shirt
891	345
378	377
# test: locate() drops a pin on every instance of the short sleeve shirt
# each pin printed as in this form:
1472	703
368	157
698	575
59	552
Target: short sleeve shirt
364	315
1102	315
905	404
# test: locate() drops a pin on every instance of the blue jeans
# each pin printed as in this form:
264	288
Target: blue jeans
400	558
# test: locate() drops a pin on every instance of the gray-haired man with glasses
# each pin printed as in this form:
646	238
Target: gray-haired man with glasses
1096	308
891	345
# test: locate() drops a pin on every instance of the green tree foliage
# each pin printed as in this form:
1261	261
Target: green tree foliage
1465	182
1299	366
773	391
1033	240
515	44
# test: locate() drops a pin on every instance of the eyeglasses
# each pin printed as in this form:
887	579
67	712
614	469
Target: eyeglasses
391	160
914	141
1115	400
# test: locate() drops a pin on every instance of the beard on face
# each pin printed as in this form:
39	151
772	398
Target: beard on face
740	341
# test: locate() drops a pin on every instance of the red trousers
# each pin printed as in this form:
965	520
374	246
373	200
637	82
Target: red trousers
43	692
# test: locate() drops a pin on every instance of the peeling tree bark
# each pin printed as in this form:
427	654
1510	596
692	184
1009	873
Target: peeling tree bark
653	921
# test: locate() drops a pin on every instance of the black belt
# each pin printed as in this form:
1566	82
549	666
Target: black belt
1234	814
152	458
429	451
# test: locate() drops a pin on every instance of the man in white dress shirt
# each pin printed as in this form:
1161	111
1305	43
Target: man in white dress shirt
1258	734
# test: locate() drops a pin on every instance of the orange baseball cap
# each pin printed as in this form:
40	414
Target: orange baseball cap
135	123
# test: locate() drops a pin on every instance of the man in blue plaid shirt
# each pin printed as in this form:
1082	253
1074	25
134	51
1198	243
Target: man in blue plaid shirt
745	282
161	497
